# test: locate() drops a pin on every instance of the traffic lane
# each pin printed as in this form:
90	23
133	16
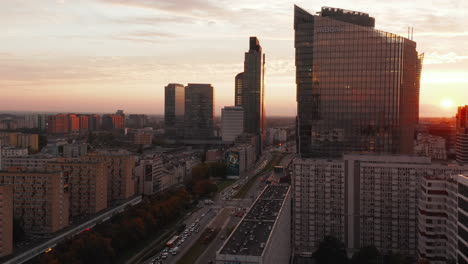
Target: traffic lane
216	222
217	243
190	239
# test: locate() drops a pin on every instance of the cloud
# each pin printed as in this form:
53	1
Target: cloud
143	36
436	58
194	7
154	20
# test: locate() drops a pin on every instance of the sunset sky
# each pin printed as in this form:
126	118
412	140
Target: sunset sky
104	55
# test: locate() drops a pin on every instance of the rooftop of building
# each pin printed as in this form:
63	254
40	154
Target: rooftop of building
251	235
233	108
348	16
34	156
27	172
13	148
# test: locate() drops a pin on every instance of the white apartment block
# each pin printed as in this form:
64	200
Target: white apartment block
430	146
361	200
318	203
14	152
443	219
30	162
149	172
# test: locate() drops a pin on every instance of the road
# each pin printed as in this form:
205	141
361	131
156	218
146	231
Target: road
252	194
210	214
210	252
70	231
220	215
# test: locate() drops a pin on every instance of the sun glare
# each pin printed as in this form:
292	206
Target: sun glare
446	103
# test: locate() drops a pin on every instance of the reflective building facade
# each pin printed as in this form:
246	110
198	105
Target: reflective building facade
238	89
357	87
253	90
462	135
174	110
199	111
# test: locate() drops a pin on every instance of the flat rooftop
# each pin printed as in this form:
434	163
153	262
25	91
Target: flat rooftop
251	235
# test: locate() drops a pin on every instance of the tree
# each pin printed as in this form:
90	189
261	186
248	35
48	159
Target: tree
91	138
204	187
367	255
93	248
18	231
423	261
331	251
200	172
396	258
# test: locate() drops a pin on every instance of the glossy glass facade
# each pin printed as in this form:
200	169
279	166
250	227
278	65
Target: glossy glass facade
253	90
238	89
199	111
357	87
462	135
174	110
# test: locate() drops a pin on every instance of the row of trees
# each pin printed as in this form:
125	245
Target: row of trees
333	251
205	171
124	232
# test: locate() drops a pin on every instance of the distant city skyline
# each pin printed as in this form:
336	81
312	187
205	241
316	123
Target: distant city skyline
103	55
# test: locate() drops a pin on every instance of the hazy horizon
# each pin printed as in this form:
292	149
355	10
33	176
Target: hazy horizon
104	55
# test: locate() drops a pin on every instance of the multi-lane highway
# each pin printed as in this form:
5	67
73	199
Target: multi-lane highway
224	213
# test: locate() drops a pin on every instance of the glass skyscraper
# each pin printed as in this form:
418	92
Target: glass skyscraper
253	90
357	87
462	135
174	110
238	89
199	112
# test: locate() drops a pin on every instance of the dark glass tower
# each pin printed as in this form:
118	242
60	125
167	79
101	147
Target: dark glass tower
199	111
462	135
357	87
253	90
174	110
238	89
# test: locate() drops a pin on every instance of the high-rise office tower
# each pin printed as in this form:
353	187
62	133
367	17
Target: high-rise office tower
238	89
174	110
462	135
253	90
199	111
232	122
357	87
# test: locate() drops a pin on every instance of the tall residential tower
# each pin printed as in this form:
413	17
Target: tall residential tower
357	87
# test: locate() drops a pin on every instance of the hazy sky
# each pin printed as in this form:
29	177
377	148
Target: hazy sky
103	55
